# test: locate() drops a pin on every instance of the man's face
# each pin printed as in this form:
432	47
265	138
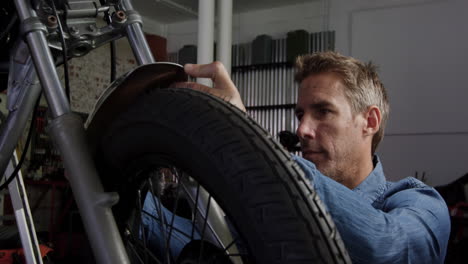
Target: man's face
330	133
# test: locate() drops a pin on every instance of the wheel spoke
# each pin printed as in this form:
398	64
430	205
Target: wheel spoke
225	252
237	255
204	227
162	216
175	207
167	228
151	215
230	245
195	211
135	252
142	247
157	219
140	209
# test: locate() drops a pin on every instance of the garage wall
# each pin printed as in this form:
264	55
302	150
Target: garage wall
90	75
275	22
420	46
421	49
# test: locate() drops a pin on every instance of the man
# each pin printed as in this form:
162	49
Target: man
342	109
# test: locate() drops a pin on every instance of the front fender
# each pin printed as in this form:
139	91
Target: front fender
124	91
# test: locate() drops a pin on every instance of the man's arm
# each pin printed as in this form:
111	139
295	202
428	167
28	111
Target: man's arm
413	226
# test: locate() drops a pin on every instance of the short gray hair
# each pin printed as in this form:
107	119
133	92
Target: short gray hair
364	87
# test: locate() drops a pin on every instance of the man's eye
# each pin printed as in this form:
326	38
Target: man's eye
324	111
299	116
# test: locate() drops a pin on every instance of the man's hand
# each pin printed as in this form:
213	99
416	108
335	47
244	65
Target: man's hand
223	88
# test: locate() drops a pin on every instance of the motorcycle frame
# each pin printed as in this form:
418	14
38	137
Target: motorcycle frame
32	60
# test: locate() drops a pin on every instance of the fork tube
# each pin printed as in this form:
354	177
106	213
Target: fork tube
135	34
139	45
47	73
68	133
94	204
45	66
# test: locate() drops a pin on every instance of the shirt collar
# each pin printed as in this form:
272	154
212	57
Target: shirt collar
374	185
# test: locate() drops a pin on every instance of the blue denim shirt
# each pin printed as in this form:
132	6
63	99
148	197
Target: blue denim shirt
385	222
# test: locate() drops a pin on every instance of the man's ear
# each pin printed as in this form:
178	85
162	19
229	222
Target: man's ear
373	120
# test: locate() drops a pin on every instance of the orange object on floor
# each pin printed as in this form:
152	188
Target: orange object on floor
7	255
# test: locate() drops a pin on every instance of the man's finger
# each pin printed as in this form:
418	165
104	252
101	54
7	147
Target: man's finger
213	70
199	70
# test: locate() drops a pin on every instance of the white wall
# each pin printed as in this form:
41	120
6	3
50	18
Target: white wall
275	22
153	27
421	47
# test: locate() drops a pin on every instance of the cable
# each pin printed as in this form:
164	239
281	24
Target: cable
9	26
25	149
113	62
64	51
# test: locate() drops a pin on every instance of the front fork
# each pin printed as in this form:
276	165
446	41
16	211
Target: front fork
68	134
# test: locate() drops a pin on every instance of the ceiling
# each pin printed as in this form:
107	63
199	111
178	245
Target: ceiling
172	11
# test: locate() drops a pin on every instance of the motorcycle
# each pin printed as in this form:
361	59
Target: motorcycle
159	175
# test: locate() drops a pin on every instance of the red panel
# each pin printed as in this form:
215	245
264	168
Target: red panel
158	46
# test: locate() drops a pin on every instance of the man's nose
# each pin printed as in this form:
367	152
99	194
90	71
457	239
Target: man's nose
306	130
